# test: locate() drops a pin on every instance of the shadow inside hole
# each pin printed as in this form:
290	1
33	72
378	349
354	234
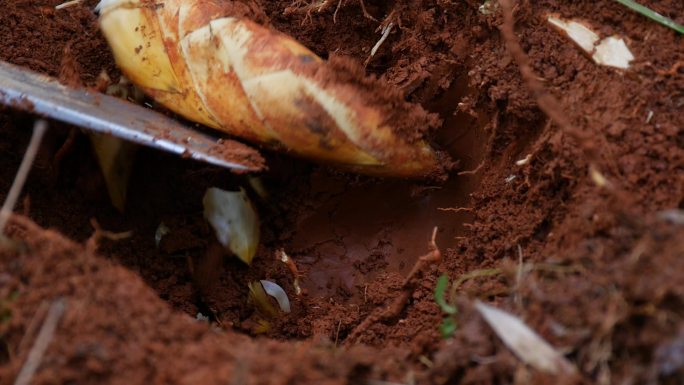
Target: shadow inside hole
352	232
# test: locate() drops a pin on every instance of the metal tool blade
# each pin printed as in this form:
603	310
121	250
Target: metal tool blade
43	95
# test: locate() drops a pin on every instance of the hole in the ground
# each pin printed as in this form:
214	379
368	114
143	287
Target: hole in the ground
357	231
352	238
349	238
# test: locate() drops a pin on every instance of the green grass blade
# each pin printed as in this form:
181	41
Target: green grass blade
651	14
448	327
440	290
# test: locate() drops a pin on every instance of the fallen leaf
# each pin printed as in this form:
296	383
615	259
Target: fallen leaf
524	342
234	220
611	51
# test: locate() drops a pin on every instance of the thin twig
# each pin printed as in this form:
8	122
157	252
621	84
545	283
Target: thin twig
434	255
386	30
93	242
339	4
365	11
474	171
68	4
33	326
20	179
45	336
517	297
479	273
456	209
282	256
337	333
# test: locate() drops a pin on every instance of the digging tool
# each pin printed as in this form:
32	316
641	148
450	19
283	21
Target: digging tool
26	90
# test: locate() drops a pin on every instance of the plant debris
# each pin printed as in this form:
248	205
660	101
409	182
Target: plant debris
292	267
68	4
488	7
257	184
611	51
39	129
160	233
115	157
277	292
234	220
448	325
524	342
261	301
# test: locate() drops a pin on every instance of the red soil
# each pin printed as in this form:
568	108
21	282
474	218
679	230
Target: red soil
612	301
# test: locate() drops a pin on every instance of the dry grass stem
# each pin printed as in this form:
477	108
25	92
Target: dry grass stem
99	234
386	30
473	171
292	267
68	4
456	209
337	333
471	275
45	336
20	179
33	326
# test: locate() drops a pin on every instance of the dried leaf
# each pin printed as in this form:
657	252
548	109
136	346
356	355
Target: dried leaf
277	292
674	216
115	157
162	230
257	184
488	7
202	318
584	37
234	220
611	51
263	326
261	300
524	342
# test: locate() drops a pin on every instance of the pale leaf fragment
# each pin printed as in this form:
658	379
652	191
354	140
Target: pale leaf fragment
161	232
277	292
584	37
611	51
234	220
115	157
257	184
260	299
488	7
527	345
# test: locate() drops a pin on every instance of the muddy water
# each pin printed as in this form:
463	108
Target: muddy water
358	231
